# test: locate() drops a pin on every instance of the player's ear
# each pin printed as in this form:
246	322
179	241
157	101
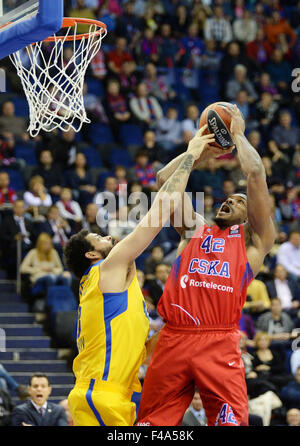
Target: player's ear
92	255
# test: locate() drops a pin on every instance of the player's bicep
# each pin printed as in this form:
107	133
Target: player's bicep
128	249
259	210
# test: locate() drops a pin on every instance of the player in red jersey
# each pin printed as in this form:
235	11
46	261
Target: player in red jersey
202	303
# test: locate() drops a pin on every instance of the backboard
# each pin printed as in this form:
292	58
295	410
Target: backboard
23	22
12	11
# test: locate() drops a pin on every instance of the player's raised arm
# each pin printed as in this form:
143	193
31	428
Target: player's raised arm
165	202
258	203
184	219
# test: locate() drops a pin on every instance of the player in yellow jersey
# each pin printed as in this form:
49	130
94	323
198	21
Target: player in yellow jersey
112	326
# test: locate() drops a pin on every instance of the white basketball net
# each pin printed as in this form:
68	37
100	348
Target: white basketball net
53	87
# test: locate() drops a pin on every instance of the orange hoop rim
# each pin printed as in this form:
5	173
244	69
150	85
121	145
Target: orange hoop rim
71	21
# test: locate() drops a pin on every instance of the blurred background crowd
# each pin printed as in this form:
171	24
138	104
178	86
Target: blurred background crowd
161	63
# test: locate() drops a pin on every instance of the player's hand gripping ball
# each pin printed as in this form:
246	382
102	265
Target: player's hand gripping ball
218	122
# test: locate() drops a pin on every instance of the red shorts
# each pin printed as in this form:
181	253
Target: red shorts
183	358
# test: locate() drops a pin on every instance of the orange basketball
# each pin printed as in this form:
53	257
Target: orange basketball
218	121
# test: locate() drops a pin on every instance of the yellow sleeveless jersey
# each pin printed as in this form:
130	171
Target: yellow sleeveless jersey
112	329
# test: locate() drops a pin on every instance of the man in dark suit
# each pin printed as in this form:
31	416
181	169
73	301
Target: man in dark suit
37	411
58	229
195	415
156	285
285	289
15	226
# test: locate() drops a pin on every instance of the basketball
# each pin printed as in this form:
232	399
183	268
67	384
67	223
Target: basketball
218	121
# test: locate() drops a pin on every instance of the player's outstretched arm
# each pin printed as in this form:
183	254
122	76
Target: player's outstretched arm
184	219
164	204
258	201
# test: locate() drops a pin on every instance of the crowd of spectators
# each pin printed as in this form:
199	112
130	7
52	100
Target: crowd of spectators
160	64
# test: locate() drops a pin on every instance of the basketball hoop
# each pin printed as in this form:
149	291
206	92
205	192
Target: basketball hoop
53	84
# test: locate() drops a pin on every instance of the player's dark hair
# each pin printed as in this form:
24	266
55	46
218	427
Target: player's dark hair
38	375
74	253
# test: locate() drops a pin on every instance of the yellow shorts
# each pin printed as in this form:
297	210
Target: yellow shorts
98	403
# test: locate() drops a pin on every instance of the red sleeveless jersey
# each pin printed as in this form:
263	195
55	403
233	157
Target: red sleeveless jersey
207	285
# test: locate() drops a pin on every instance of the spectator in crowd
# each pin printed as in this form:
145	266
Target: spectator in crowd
168	130
6	407
265	113
51	174
245	28
128	25
143	171
169	49
278	26
15	226
233	56
147	49
45	269
98	66
293	417
190	122
81	11
210	63
218	28
257	298
285	289
180	21
37	195
156	285
65	406
93	105
291	392
256	386
58	228
195	414
156	84
277	324
247	327
264	85
38	411
9	122
240	82
194	47
118	55
242	101
209	211
208	179
269	364
7	194
289	255
64	149
89	221
80	181
121	177
108	201
69	209
145	108
280	72
155	258
259	50
290	204
8	383
8	155
285	136
121	226
156	153
117	108
128	79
